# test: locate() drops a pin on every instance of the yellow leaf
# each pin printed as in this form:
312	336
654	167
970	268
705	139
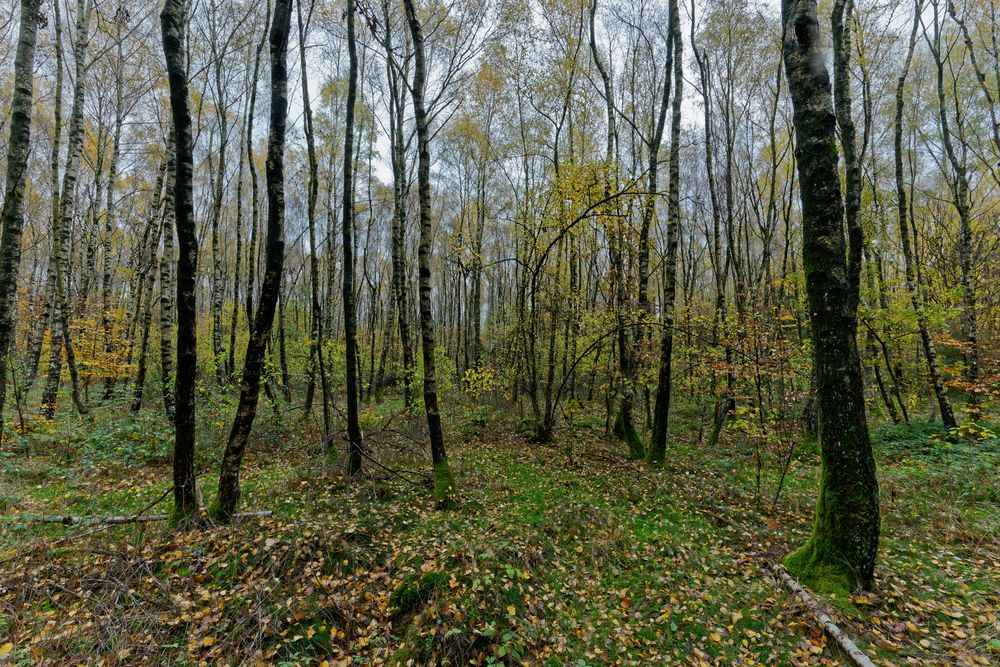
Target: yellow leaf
208	641
511	610
6	648
716	637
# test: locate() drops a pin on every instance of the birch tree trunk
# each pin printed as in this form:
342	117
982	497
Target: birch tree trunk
354	437
12	213
60	232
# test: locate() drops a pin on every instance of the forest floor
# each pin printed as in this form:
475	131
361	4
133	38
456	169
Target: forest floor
557	554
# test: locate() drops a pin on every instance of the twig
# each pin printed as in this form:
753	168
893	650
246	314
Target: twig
70	520
850	648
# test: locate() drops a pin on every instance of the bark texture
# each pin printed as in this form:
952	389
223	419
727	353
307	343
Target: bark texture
355	443
232	460
12	214
840	554
443	483
173	26
661	413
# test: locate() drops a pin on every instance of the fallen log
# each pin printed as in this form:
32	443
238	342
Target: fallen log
845	642
70	520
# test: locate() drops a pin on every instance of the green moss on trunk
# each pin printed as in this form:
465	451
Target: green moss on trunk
624	430
444	485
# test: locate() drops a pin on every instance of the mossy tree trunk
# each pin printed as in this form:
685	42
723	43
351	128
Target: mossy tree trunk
840	554
661	413
274	257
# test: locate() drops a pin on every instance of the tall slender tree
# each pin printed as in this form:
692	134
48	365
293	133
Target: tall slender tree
396	79
902	218
62	338
443	483
12	213
355	442
317	360
253	364
959	185
173	27
661	413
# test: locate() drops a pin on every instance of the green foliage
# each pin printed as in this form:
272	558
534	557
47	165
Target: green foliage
481	381
142	438
627	433
444	485
918	437
415	590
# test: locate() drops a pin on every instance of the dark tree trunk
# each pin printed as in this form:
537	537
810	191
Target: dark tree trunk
229	476
356	444
840	555
443	483
661	412
12	214
173	26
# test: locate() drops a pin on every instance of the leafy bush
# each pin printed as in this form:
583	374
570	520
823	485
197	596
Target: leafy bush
917	437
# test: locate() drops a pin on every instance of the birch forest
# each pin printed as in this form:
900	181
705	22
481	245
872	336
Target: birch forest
500	332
